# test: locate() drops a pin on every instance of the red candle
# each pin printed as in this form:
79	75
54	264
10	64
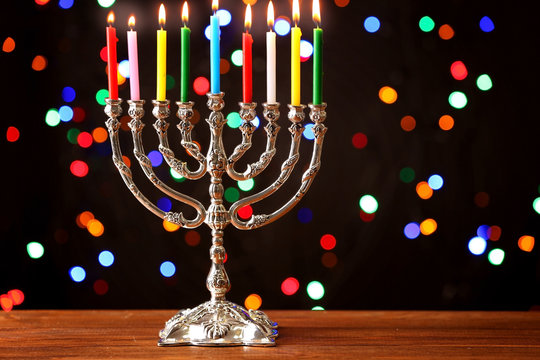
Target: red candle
111	58
247	42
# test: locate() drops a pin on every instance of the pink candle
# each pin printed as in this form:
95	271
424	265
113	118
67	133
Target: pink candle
133	61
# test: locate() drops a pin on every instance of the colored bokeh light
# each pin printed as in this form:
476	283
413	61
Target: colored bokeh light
536	205
411	230
83	218
79	168
482	231
329	260
231	194
359	140
201	85
526	243
282	27
290	286
123	68
95	227
423	190
101	287
481	199
446	32
305	215
365	217
39	63
66	113
167	269
388	95
170	82
224	17
458	70
237	57
17	296
224	66
68	94
408	123
85	139
106	258
52	118
176	175
165	204
496	256
6	303
65	4
342	3
477	245
426	24
192	238
245	212
446	122
126	161
368	204
428	226
170	227
372	24
77	273
155	158
328	242
234	120
308	131
8	45
407	175
306	49
101	95
435	182
457	99
100	135
253	302
78	114
106	3
35	250
246	185
315	290
12	134
484	82
494	233
486	24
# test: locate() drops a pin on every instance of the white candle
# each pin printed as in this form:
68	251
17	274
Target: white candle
270	58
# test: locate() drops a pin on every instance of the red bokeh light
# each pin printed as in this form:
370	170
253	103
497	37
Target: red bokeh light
290	286
79	168
328	242
6	303
85	139
245	212
458	70
17	296
201	85
359	140
103	54
12	134
101	287
366	217
78	114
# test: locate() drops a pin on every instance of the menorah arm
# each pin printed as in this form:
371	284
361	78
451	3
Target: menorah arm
113	110
271	114
296	116
185	112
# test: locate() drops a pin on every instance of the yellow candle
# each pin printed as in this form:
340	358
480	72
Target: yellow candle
296	35
161	57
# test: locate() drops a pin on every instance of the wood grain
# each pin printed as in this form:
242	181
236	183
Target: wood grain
132	334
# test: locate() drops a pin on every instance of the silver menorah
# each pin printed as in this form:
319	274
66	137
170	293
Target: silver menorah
217	322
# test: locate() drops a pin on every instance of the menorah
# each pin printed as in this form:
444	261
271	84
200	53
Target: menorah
217	322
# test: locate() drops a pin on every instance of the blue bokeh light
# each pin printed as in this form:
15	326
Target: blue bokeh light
308	132
305	215
411	230
208	32
155	158
282	27
106	258
77	273
256	122
123	68
66	113
68	94
164	204
167	269
372	24
486	24
224	17
477	245
483	231
65	4
435	182
306	49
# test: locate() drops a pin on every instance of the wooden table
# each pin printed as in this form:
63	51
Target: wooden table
336	335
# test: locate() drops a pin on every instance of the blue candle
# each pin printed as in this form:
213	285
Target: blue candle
214	50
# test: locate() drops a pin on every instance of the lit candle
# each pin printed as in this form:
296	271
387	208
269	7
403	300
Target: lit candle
161	57
296	35
270	57
317	54
247	42
214	49
111	58
185	33
133	60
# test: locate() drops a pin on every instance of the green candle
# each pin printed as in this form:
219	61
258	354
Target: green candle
185	33
317	55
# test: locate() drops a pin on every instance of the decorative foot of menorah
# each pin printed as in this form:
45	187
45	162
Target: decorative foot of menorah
217	322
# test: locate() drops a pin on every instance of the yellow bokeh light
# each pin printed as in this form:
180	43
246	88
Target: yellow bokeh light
526	243
250	2
253	302
388	95
95	227
428	226
121	79
424	190
169	226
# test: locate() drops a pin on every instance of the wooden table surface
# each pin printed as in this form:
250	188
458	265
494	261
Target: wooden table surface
132	334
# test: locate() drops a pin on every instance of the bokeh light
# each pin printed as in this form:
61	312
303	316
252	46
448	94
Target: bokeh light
68	94
407	174
494	233
306	49
282	27
477	245
155	158
457	99
423	190
253	302
486	24
192	238
6	303
52	118
329	260
66	113
224	66
106	258
176	175
446	32
428	226
496	256
77	273
83	219
359	140
458	70
17	296
408	123
526	243
365	217
8	45
100	134
12	134
85	139
167	269
446	122
536	205
426	24
328	242
368	204
237	57
388	95
79	168
342	3
484	82
101	95
201	85
246	185
482	231
315	290
165	204
65	4
101	287
95	227
305	215
308	131
234	120
169	226
481	199
106	3
435	182
231	194
290	286
35	250
224	17
411	230
39	63
245	212
123	68
372	24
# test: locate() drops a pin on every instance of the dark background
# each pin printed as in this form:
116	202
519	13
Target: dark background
492	148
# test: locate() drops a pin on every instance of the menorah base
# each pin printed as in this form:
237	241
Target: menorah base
219	323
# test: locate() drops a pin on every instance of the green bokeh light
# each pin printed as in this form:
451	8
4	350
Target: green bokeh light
496	256
101	95
315	290
457	100
52	118
536	204
234	120
176	176
246	185
106	3
72	135
170	82
484	82
236	57
406	175
231	194
317	308
368	204
426	24
35	250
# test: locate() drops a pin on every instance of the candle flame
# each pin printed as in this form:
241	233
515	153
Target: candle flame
316	12
215	5
270	15
247	21
110	18
295	12
131	21
185	13
161	15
